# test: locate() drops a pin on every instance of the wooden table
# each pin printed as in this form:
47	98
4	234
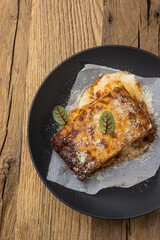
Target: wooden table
34	37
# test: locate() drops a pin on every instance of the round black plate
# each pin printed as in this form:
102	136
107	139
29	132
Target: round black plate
111	203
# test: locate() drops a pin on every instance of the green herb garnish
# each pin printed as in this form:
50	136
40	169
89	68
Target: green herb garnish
60	115
107	122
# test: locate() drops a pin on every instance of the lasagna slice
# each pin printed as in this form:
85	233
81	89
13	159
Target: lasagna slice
102	86
83	146
107	82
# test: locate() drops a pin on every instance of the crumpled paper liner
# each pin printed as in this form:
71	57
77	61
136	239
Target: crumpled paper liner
124	174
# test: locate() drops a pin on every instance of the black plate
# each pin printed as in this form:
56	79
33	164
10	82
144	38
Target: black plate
111	203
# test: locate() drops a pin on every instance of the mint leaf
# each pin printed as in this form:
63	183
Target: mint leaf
60	115
107	122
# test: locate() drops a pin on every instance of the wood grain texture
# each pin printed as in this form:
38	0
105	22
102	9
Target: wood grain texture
61	31
134	23
13	69
34	37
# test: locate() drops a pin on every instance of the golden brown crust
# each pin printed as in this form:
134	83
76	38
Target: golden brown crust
83	146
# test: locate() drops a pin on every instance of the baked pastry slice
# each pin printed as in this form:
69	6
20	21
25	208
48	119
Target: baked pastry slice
83	146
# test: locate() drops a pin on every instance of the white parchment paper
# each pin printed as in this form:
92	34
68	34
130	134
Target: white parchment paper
124	174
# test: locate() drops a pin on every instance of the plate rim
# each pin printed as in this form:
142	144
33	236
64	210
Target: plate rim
28	123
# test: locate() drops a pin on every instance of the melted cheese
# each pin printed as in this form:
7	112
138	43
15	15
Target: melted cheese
108	82
103	86
85	148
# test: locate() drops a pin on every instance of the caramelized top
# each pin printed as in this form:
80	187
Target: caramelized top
82	140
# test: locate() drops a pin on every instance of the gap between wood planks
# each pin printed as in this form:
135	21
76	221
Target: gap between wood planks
9	111
134	24
15	40
133	42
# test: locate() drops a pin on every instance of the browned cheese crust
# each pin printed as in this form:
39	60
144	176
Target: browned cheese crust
83	146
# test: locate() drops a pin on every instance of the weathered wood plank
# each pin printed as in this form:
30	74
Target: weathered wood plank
147	227
58	29
133	23
149	21
118	28
35	36
120	22
8	24
107	229
13	59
